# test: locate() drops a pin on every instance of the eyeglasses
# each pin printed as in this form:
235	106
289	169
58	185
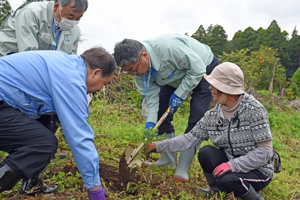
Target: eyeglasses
130	71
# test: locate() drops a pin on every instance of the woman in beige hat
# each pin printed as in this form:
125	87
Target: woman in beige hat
238	126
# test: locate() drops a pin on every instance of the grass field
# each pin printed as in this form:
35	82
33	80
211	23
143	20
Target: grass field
119	123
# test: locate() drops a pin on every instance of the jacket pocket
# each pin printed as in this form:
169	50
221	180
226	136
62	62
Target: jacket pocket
66	47
166	71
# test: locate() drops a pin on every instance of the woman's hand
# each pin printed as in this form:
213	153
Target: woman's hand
221	170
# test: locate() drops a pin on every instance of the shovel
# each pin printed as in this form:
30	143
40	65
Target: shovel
131	154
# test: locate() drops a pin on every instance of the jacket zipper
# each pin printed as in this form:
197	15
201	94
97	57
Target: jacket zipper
229	139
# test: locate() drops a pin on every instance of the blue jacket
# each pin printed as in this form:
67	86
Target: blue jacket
49	82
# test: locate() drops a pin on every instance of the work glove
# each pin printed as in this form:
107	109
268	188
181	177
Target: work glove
221	170
149	126
152	149
97	194
174	103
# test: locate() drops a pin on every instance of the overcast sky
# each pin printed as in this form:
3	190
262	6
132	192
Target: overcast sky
109	21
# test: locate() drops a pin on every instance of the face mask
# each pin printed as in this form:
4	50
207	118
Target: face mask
66	24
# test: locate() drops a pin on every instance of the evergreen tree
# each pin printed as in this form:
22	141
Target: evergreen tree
247	39
278	40
293	50
217	40
214	36
200	35
5	10
262	37
233	44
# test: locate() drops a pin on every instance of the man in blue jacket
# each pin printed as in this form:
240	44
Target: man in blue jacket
49	25
34	84
166	69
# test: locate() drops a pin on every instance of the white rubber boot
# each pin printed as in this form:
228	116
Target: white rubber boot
185	160
166	158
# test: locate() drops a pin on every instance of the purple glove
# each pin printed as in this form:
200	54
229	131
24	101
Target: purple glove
97	194
174	103
221	170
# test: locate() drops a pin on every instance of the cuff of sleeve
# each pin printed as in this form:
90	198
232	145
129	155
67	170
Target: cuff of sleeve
157	146
92	182
181	93
232	165
151	118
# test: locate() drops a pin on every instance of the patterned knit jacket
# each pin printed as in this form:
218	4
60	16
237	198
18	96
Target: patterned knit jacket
249	125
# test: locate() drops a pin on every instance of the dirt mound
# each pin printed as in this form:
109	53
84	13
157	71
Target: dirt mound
116	180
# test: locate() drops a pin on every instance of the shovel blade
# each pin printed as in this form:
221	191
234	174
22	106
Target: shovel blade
131	157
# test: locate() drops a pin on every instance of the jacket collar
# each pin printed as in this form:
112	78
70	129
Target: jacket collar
154	59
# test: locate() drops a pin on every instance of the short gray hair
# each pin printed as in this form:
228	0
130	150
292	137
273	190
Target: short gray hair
127	52
80	5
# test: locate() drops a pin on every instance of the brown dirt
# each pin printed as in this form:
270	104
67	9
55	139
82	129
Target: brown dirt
159	184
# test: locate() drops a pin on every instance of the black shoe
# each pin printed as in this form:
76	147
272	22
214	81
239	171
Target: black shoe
8	177
251	194
208	192
35	186
61	155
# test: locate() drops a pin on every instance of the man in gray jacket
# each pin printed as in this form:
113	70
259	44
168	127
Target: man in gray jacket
42	26
166	69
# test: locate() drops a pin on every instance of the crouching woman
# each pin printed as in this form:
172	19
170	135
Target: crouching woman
238	127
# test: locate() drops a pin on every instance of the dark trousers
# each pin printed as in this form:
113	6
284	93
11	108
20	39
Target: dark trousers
29	143
200	102
210	157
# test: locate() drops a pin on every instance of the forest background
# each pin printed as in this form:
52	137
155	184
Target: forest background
268	56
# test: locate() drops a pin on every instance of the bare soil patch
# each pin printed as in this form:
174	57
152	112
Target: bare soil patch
117	181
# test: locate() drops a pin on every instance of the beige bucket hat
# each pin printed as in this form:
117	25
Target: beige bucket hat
228	78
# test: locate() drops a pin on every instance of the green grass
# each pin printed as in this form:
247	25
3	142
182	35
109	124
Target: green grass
126	126
117	122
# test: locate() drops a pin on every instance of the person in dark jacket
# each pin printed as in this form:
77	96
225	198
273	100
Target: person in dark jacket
238	126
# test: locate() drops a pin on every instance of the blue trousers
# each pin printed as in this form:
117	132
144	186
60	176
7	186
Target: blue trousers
29	143
200	102
210	157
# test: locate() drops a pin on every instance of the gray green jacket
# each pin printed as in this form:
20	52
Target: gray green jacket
180	61
22	30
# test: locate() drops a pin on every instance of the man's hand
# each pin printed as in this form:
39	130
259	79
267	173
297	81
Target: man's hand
174	103
149	126
97	194
221	170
